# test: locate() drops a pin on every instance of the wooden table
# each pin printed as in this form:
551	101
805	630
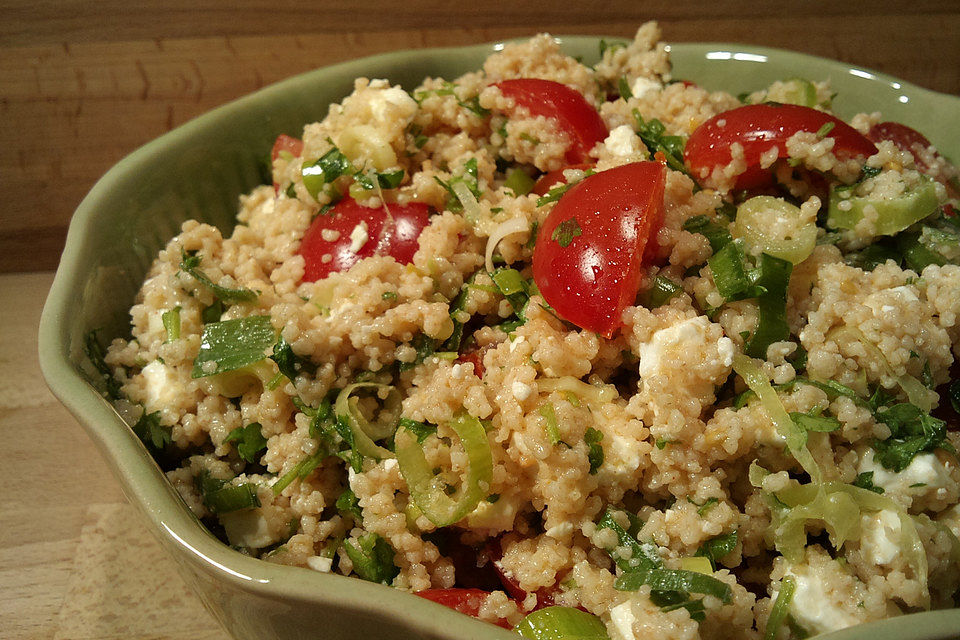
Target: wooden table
83	83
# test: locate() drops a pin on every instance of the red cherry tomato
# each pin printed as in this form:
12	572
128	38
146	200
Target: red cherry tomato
909	140
285	143
358	232
466	601
589	250
757	128
547	180
573	114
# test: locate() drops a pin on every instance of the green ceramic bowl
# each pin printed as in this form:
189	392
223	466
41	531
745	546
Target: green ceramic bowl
197	171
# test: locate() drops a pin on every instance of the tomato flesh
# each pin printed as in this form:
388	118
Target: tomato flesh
572	113
350	232
589	250
285	143
758	128
467	601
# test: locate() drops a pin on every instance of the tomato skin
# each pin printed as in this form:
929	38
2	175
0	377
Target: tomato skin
467	601
591	280
757	128
285	143
573	114
547	180
391	230
910	140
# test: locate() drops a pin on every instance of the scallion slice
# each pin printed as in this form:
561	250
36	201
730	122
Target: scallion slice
795	436
892	215
774	226
562	623
364	432
429	491
781	607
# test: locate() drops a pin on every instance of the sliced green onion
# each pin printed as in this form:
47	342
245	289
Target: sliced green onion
508	281
501	231
717	234
715	548
233	344
729	271
471	208
774	226
549	415
428	491
781	607
892	214
596	395
231	498
917	255
660	292
191	264
300	470
519	182
795	437
772	282
364	432
697	564
171	323
674	580
839	506
562	623
799	91
643	556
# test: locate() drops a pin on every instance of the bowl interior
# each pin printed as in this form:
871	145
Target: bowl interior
198	171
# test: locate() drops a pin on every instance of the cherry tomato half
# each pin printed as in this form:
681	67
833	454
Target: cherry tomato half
285	143
466	601
757	128
589	250
910	140
357	232
572	113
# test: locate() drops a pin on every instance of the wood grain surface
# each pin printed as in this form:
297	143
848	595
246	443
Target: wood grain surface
83	83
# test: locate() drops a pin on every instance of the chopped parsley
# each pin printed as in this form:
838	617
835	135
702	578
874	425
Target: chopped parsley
153	434
190	264
595	453
250	441
865	481
372	558
233	344
564	233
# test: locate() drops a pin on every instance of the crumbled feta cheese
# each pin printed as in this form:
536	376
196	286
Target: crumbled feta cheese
387	100
678	337
248	528
621	621
319	563
389	464
623	141
813	608
330	235
160	384
881	535
726	350
925	473
521	391
643	86
359	236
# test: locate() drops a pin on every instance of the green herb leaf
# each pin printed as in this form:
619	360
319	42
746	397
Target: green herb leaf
151	432
549	415
912	432
674	580
250	441
660	292
810	422
348	504
324	171
288	362
372	558
233	344
564	233
421	430
652	133
716	548
191	264
717	234
595	454
221	497
642	555
865	481
624	88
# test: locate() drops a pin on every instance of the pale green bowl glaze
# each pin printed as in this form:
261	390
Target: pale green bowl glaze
197	171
